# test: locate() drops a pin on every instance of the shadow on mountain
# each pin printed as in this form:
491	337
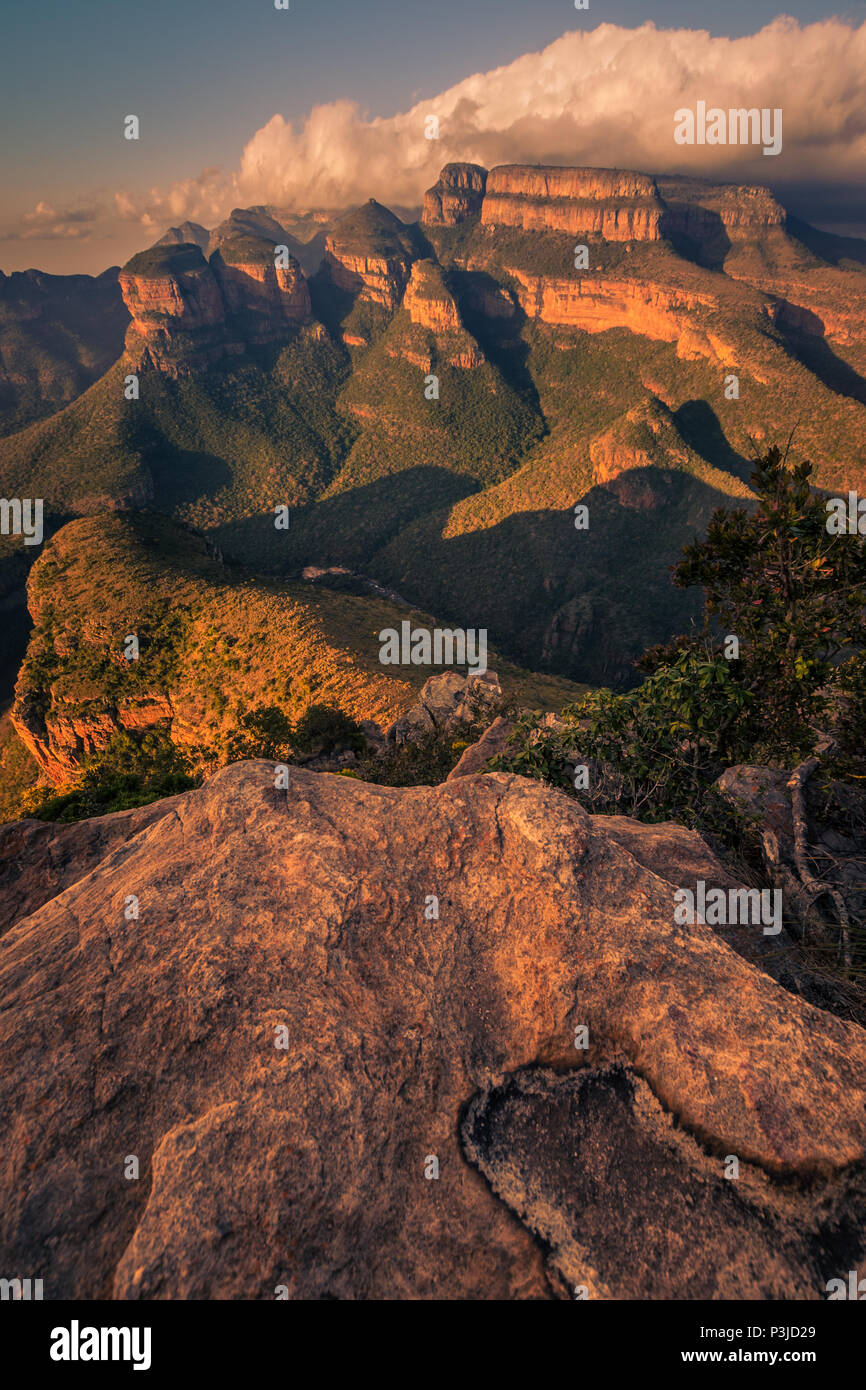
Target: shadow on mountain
827	245
582	604
181	476
345	529
815	354
507	351
696	233
700	429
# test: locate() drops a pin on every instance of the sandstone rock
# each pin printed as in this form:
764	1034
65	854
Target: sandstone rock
177	310
431	305
491	743
39	860
456	196
188	313
615	204
268	299
610	1148
369	254
304	1165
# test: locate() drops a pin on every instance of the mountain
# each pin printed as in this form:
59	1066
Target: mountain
394	1106
214	643
58	334
435	399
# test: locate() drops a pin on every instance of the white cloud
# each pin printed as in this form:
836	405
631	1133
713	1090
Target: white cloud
205	198
604	96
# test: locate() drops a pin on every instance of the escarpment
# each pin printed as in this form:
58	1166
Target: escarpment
617	206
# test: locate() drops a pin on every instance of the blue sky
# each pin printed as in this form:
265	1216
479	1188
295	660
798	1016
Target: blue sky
204	76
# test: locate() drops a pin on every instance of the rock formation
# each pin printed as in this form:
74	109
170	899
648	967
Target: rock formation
189	233
188	313
178	313
456	196
247	991
619	206
430	304
264	297
369	254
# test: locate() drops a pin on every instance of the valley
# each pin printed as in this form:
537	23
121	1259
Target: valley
262	383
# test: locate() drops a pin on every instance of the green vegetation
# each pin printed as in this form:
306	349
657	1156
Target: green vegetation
794	598
173	258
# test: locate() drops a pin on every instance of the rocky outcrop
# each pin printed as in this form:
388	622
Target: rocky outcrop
456	196
431	305
369	254
428	300
61	738
616	205
244	1057
491	744
263	297
178	313
188	313
447	700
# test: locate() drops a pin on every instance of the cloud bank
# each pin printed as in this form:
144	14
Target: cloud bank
606	97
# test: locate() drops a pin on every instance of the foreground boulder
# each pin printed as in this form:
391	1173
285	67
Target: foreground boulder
326	1025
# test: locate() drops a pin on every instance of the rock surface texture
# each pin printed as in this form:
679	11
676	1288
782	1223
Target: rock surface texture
618	205
292	1047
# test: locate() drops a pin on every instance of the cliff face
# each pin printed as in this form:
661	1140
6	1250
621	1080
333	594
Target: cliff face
60	740
618	206
429	301
456	196
369	254
265	297
431	305
178	313
597	303
188	313
282	935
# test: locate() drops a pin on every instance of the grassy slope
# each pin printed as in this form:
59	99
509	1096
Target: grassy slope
464	504
217	643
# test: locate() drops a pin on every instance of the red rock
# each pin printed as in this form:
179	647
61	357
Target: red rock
304	1167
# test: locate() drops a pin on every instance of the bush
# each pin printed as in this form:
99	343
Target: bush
131	771
794	596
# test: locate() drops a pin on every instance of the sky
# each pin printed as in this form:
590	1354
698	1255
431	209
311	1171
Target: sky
325	103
